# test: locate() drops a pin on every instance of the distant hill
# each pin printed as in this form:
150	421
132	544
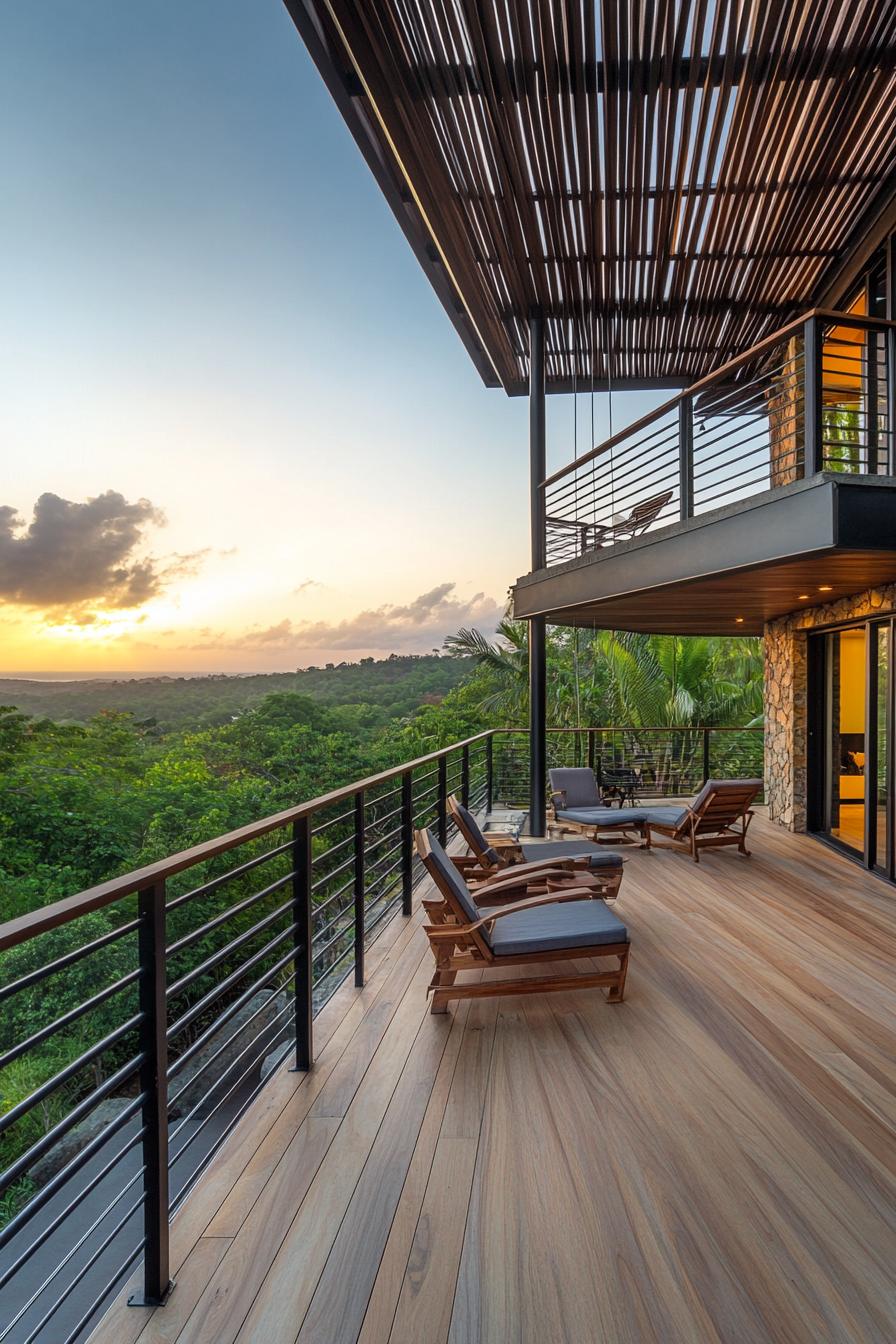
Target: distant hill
396	685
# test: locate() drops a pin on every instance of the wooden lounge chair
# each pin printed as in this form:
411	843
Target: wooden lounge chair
719	815
576	805
551	928
642	516
497	852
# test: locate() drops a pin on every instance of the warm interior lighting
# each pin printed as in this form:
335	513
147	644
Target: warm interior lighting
738	620
803	596
825	588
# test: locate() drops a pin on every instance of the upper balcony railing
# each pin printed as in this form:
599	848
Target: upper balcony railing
139	1019
817	395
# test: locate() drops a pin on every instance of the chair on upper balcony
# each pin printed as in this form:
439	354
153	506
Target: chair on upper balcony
554	927
576	805
498	852
642	516
719	815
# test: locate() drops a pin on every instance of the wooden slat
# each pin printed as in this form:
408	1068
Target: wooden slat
667	184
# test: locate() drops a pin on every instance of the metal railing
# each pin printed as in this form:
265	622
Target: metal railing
140	1018
632	763
818	395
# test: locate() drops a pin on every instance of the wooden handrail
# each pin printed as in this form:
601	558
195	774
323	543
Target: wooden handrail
718	375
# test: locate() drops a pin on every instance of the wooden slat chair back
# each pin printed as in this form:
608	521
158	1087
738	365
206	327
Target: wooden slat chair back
463	938
647	512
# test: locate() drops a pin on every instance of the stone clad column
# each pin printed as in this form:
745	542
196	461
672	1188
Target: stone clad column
785	418
785	724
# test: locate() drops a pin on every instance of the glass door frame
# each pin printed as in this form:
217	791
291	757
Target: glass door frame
820	710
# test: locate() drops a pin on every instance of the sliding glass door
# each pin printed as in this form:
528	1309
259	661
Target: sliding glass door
851	754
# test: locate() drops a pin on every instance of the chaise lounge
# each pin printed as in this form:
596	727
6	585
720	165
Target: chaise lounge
554	927
719	815
577	806
497	852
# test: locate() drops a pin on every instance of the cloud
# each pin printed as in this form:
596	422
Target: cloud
76	558
414	627
306	586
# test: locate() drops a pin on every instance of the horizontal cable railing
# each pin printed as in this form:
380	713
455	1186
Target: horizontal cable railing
818	395
631	764
139	1019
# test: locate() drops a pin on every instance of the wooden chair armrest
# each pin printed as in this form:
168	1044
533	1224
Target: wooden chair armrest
558	796
521	875
519	871
550	898
447	933
468	865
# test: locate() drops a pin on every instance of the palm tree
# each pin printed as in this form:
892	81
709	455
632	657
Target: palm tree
635	680
673	681
576	680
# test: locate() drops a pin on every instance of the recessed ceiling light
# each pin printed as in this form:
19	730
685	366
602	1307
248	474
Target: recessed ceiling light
803	596
738	620
825	588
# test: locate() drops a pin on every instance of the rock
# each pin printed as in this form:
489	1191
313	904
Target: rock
77	1138
276	1058
192	1086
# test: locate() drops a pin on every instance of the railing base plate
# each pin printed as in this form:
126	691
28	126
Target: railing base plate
141	1300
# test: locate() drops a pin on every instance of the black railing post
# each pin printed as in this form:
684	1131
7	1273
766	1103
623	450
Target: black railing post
302	939
890	385
592	751
489	773
813	451
360	836
441	804
872	421
465	776
151	940
706	732
686	458
407	841
537	628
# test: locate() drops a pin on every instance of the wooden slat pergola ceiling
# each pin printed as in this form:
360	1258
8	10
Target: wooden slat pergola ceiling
665	180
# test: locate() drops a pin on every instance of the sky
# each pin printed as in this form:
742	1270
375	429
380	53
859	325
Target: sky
238	431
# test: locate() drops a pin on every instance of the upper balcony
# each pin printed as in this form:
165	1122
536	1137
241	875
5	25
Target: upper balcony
779	464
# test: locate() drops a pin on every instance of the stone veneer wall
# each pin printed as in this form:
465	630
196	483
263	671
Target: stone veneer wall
785	696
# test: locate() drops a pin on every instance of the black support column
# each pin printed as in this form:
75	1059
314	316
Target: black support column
537	636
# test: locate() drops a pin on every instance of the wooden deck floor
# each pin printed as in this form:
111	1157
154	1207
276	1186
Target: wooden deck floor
712	1160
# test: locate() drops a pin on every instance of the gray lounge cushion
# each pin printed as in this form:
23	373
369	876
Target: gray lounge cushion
571	849
480	845
578	784
453	879
665	816
553	928
602	816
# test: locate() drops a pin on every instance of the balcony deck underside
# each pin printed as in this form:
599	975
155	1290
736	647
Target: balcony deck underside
753	559
712	1160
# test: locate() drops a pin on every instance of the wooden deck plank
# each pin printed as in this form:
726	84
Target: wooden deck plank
713	1160
383	1300
425	1302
